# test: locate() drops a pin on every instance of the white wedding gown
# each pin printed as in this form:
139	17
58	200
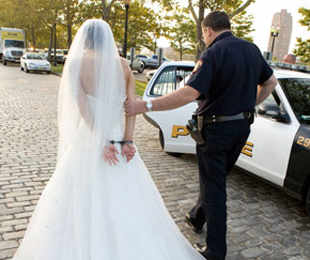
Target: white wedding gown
102	212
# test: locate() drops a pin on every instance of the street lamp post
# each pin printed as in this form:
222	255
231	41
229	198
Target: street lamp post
274	34
127	2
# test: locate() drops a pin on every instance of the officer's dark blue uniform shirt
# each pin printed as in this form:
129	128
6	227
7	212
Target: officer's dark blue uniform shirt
227	76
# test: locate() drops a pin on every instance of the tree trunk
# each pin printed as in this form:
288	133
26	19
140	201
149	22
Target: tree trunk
69	29
33	36
51	43
200	43
55	44
105	10
181	51
69	8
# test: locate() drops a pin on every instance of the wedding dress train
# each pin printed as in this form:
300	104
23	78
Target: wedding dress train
102	213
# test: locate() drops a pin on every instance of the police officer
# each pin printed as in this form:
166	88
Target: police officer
230	78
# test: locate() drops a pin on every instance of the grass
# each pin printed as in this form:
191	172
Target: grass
140	85
57	69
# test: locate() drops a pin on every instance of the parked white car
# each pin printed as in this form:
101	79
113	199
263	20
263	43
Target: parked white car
34	62
278	148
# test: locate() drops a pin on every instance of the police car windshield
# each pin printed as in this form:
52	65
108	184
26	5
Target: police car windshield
298	94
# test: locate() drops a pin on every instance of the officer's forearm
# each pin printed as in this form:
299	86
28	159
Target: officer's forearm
176	99
265	89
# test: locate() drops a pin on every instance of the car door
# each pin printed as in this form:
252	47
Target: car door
172	123
268	148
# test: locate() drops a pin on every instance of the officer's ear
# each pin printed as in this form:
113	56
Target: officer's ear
207	31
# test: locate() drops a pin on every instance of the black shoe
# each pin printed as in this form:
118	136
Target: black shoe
202	249
190	221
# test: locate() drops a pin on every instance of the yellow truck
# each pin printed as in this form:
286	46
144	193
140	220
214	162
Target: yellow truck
12	44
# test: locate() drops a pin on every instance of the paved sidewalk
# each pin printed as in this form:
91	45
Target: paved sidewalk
263	222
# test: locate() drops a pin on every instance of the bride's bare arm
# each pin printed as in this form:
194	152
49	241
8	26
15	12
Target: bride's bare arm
130	91
130	121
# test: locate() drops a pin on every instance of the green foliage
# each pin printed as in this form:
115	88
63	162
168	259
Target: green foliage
306	17
182	34
242	26
143	29
303	46
242	23
303	50
144	25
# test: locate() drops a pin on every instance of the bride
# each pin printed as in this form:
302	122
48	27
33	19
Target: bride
100	203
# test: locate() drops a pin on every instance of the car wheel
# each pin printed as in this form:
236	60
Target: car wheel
5	62
141	69
26	69
48	72
162	144
21	68
308	202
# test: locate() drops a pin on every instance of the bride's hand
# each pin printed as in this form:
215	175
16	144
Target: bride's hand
109	154
128	150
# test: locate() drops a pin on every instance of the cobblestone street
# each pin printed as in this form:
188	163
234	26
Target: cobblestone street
263	222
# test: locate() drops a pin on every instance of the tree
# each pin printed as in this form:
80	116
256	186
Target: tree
242	26
70	10
303	46
303	50
143	25
13	15
197	9
182	35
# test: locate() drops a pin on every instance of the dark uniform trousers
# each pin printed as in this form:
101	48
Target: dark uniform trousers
224	142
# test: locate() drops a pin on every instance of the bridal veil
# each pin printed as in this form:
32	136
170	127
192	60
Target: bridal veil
92	72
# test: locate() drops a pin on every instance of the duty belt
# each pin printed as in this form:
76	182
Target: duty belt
214	118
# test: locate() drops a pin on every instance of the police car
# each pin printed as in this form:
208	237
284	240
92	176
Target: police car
278	148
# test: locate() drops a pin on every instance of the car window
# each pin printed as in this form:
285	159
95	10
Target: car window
297	91
141	56
270	101
169	80
272	106
182	76
34	57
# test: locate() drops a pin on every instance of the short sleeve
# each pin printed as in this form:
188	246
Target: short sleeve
202	75
266	71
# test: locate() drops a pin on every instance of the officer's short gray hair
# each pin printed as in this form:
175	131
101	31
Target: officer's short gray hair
217	21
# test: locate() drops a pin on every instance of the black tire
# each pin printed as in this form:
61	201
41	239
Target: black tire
21	68
308	202
48	72
162	144
5	62
161	139
141	69
26	69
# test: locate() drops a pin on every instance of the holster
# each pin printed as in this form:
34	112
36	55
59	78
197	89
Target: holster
194	127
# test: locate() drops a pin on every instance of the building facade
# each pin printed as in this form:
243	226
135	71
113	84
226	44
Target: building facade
282	26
